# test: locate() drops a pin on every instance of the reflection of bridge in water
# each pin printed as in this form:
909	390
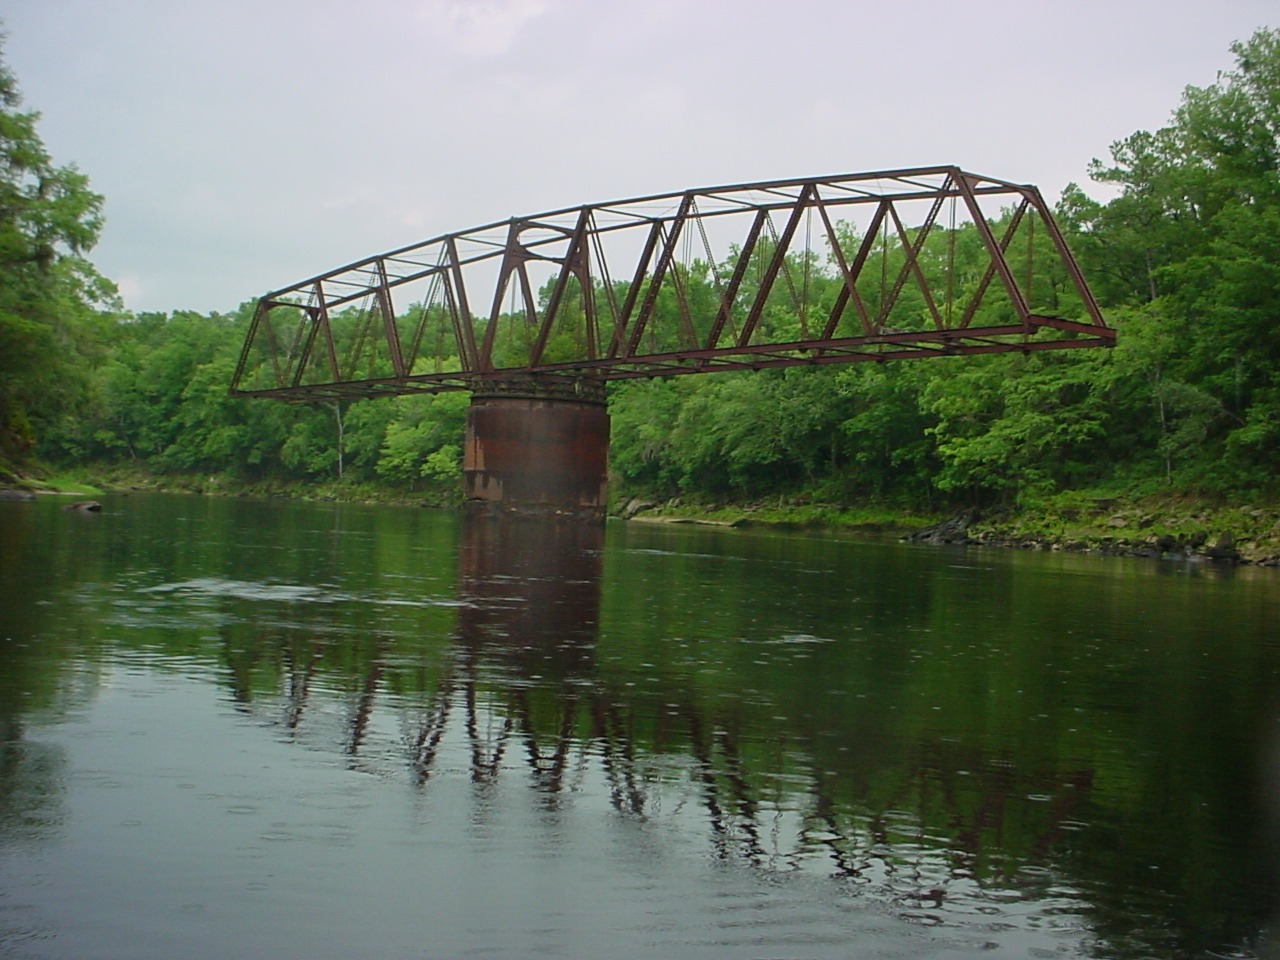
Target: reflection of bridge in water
522	697
534	315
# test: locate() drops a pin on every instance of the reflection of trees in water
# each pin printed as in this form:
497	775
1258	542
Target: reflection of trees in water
1149	810
766	807
35	677
932	848
31	786
938	829
941	833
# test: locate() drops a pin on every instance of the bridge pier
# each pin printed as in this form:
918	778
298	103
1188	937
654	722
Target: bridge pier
537	447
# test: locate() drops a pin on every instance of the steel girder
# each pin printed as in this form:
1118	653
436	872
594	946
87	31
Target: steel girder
923	262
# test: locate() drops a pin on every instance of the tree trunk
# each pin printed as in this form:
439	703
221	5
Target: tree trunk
336	407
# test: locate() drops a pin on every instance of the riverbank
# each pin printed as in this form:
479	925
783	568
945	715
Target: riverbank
124	479
1167	525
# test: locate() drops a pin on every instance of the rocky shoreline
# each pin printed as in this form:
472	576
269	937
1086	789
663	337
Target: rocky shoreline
1259	548
1189	530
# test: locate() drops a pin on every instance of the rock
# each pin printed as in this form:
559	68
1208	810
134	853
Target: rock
1224	548
1118	521
633	506
85	506
23	495
955	530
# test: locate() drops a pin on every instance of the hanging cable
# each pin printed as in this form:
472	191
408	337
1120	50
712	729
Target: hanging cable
951	261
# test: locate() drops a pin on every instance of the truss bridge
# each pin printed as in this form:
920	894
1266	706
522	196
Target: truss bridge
549	308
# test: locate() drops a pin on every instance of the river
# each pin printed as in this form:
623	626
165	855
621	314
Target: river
237	729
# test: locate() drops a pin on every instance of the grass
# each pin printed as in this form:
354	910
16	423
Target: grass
871	519
13	475
1084	519
67	486
1090	519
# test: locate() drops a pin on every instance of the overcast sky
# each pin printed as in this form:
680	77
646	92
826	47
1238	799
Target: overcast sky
244	145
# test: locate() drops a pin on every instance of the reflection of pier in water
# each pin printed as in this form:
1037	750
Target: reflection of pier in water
530	618
521	688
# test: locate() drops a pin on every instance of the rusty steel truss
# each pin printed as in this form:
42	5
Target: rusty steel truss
923	262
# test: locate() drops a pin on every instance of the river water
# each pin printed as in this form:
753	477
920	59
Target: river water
237	729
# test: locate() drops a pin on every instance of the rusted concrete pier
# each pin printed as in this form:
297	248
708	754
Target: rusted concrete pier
537	449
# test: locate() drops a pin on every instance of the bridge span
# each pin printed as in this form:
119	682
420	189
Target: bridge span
535	314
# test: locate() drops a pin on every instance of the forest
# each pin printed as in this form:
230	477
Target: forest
1184	259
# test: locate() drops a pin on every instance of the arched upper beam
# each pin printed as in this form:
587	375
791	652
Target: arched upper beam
696	281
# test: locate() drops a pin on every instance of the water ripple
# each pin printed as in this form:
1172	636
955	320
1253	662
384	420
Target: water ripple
201	587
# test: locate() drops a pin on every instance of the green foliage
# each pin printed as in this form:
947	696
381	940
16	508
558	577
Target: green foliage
1185	260
421	442
1019	425
48	218
642	417
888	452
1195	236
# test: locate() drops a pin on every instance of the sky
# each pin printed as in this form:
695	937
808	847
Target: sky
245	145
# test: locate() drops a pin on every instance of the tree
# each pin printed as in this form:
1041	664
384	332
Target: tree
1195	235
422	441
49	218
